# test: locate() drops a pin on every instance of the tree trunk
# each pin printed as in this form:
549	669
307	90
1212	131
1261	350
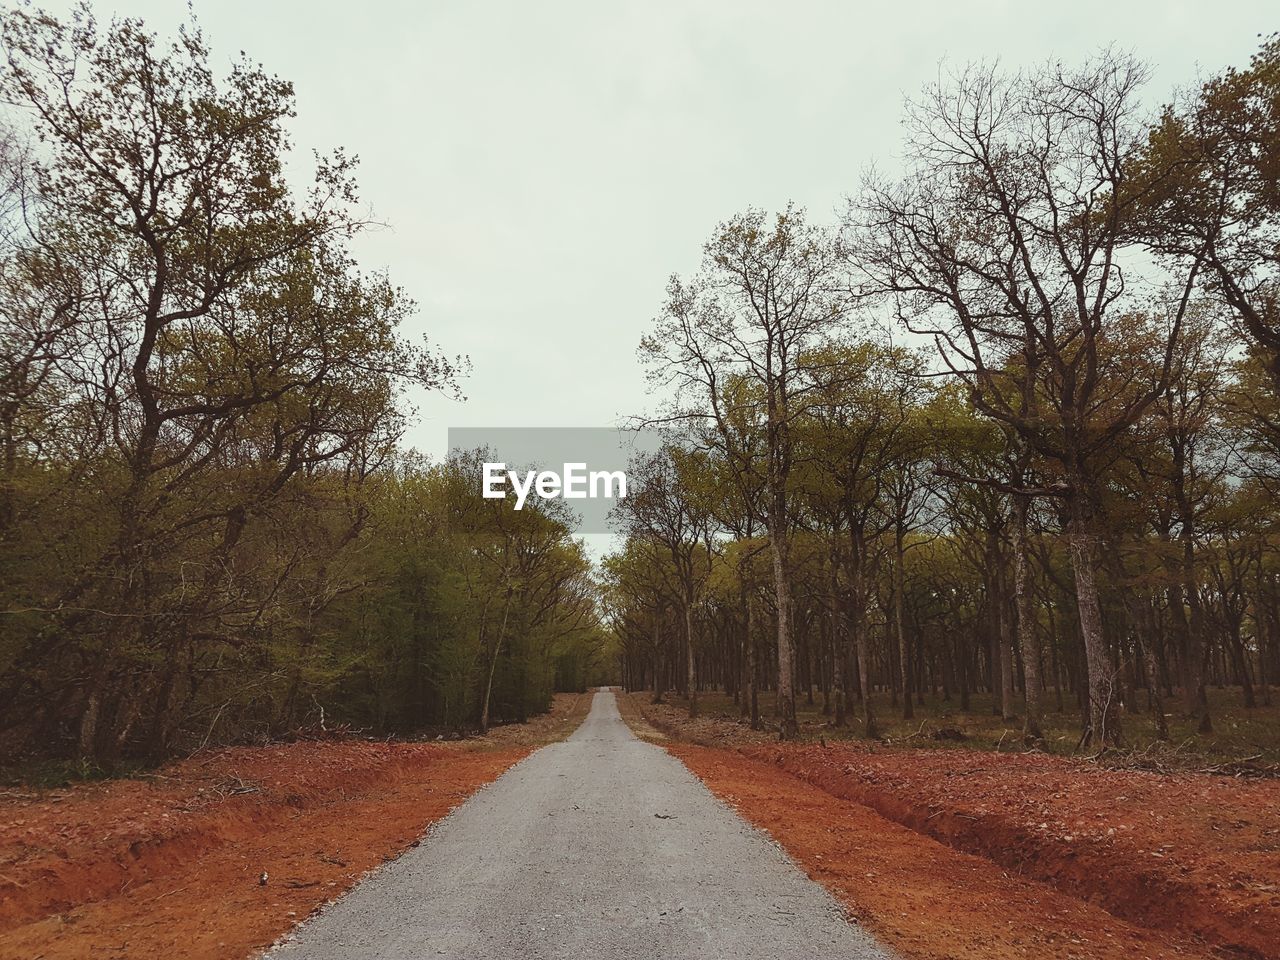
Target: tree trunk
88	733
1197	647
1240	662
753	681
1153	675
1028	635
659	679
904	654
857	623
493	664
1008	709
691	676
778	538
837	649
1104	724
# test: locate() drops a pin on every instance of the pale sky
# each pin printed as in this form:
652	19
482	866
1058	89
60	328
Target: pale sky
544	166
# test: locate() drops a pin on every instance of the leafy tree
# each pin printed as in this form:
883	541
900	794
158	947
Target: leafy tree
767	299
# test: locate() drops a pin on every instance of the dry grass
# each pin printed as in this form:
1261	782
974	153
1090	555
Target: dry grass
633	710
567	712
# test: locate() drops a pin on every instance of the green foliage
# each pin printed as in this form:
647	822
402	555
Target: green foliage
206	533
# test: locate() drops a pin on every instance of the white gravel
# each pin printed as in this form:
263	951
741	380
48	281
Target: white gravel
602	847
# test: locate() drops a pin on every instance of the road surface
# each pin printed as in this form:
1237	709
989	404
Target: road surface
601	847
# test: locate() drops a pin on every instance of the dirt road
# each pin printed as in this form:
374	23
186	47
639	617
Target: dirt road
602	846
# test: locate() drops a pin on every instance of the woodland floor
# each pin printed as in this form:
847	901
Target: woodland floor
963	852
169	864
1247	737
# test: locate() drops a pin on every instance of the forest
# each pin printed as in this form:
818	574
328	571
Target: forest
209	530
939	618
1010	425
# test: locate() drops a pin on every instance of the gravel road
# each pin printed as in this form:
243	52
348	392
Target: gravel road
602	847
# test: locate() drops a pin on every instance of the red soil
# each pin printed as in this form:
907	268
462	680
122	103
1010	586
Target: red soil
1190	853
170	867
924	898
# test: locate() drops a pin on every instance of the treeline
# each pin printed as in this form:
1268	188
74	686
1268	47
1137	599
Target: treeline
1011	426
206	530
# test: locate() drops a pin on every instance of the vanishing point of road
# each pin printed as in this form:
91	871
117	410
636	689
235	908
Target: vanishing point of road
602	847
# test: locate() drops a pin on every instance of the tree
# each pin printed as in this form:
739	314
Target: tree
767	299
220	331
1007	245
666	509
1206	193
853	434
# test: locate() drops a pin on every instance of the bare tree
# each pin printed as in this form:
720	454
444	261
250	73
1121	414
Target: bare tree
1008	243
748	330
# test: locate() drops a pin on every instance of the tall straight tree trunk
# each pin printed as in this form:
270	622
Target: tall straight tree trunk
837	649
1104	725
924	666
1265	605
1198	651
858	624
753	670
9	473
864	682
778	537
87	736
1240	664
904	654
1028	635
995	630
744	654
1055	665
493	664
1153	671
659	679
1197	646
689	662
1008	709
1142	622
1001	652
1182	646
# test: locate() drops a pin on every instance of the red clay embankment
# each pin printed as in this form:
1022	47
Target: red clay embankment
171	866
1192	853
923	897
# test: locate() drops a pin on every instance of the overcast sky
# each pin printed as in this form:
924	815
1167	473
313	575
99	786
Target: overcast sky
544	166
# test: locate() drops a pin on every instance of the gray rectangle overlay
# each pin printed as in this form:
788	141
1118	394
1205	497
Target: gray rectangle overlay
600	450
